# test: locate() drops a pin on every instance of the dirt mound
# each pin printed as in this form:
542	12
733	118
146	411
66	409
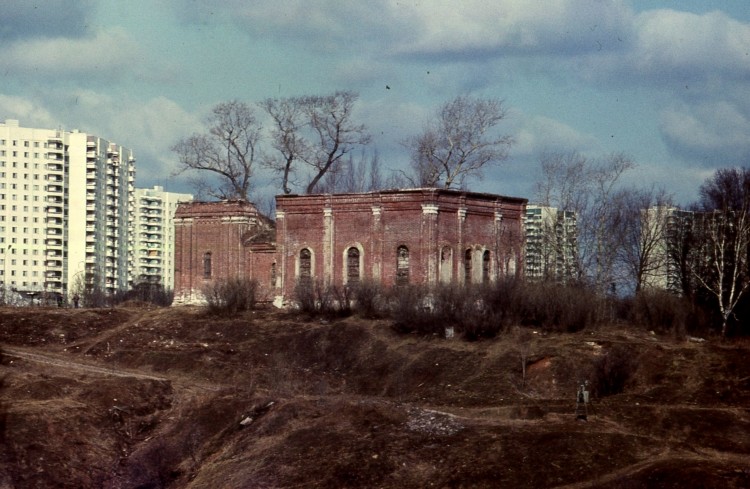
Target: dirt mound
138	397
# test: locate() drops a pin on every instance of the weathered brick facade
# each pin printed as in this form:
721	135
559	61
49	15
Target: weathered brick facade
418	236
215	240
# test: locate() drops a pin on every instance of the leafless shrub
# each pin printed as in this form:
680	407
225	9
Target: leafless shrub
412	312
318	299
230	296
661	311
370	300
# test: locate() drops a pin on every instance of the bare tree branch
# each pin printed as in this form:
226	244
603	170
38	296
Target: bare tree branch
458	144
227	150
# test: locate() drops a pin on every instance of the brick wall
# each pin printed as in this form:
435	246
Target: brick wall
216	240
435	226
423	236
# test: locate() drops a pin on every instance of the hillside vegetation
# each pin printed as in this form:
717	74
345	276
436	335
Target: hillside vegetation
140	397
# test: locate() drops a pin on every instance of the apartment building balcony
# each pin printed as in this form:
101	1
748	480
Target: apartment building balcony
53	263
55	167
53	242
54	188
53	274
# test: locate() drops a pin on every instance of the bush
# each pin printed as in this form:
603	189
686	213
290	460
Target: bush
661	311
411	308
370	301
317	299
147	292
230	296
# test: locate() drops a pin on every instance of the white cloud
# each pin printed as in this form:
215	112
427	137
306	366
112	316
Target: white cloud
715	132
537	134
480	28
682	42
104	55
28	112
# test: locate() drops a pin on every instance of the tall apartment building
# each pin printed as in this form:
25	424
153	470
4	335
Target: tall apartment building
551	243
665	226
154	235
66	211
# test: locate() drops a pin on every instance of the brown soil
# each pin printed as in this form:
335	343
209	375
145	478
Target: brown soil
139	397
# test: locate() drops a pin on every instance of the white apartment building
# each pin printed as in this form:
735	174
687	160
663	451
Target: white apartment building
551	244
661	231
66	211
154	235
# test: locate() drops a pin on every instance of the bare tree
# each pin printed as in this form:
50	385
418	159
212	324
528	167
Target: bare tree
722	254
334	132
354	175
459	143
645	217
318	131
572	182
227	150
289	121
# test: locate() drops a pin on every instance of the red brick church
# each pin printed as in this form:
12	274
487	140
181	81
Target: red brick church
412	236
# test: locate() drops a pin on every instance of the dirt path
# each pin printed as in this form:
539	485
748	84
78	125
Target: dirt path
57	361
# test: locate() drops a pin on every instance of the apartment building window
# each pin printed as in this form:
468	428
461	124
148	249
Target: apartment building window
26	144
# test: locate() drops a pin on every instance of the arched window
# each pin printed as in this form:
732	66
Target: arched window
446	265
467	267
402	265
207	265
352	266
305	264
486	266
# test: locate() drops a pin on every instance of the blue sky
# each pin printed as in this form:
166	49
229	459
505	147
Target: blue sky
667	82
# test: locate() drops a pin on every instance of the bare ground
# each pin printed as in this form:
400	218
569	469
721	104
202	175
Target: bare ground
138	397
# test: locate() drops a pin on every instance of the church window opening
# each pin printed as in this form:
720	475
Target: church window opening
402	265
207	265
467	267
486	267
305	264
352	266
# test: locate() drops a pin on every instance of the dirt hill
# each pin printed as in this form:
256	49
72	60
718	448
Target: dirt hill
138	397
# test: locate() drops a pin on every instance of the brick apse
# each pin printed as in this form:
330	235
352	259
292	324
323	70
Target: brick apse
414	236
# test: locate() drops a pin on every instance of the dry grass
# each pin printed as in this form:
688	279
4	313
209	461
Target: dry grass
352	403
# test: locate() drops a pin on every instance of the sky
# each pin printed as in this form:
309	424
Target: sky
665	82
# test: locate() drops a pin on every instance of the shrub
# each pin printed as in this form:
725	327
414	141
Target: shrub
370	301
316	298
660	311
230	296
411	309
147	292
